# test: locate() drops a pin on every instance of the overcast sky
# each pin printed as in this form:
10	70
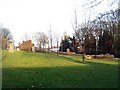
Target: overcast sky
29	16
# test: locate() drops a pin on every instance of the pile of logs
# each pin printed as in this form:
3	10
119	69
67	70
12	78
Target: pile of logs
108	56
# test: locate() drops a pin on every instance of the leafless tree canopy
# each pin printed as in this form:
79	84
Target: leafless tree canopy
94	3
5	37
41	39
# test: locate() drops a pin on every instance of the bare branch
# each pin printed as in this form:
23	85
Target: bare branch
96	4
89	3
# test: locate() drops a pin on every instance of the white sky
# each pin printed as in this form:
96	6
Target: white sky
29	16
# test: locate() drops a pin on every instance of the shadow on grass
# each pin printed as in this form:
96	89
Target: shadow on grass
91	75
3	57
70	59
61	77
83	62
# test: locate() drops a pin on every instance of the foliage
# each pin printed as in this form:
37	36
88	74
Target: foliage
69	43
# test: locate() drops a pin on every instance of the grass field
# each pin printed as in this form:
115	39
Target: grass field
40	70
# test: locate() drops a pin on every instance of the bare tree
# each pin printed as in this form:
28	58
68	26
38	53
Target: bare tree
50	35
57	38
44	40
104	24
51	38
41	39
26	37
37	38
81	31
94	3
108	21
5	37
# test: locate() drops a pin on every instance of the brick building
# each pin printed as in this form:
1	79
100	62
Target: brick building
26	45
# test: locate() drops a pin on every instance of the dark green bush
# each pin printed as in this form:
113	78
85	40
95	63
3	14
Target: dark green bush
117	53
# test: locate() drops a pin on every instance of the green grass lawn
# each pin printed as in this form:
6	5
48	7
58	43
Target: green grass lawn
40	70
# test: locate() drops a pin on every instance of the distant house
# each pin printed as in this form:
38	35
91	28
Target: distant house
26	45
11	46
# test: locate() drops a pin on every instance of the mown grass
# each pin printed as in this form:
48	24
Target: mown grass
42	70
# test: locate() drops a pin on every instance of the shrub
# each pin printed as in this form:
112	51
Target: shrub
117	53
